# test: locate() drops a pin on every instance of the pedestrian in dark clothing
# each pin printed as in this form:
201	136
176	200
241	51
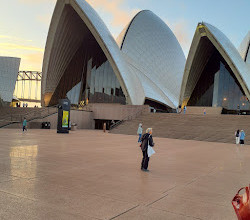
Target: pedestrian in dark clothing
146	139
237	136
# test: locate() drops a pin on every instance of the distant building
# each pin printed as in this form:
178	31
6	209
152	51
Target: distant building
9	67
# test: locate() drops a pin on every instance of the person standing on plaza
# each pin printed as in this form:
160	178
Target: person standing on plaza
242	137
185	109
104	127
139	132
179	110
204	111
237	136
146	139
24	124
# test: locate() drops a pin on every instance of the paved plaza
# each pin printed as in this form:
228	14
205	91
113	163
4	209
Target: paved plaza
91	175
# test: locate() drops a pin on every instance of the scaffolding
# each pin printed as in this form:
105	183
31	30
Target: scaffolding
28	86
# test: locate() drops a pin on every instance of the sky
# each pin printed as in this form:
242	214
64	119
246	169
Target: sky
24	24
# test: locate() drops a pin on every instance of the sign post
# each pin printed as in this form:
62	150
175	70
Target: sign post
63	119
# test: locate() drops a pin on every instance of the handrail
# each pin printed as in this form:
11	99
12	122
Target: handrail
47	109
32	115
127	118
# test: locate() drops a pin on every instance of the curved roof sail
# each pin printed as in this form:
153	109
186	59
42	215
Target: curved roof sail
150	47
244	49
199	54
66	34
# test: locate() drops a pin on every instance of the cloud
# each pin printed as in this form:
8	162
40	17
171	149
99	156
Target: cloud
32	61
12	46
31	57
35	1
44	19
6	37
182	33
120	15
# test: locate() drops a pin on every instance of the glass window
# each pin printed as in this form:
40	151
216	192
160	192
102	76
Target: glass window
218	86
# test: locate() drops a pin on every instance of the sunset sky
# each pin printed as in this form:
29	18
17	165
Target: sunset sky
24	23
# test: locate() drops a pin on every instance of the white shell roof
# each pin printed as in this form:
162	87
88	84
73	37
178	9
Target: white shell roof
151	46
152	91
9	67
232	53
129	81
229	53
244	48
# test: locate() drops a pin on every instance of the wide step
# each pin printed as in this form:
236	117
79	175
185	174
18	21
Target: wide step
213	128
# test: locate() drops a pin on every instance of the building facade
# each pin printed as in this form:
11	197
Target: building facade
83	62
145	65
9	67
215	73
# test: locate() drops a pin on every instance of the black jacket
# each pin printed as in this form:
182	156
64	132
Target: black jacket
146	139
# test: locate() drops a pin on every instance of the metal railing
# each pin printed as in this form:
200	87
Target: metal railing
11	118
127	118
44	112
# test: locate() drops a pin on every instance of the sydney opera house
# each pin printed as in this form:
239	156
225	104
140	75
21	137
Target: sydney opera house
145	65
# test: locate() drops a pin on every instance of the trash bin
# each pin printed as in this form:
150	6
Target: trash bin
73	127
45	125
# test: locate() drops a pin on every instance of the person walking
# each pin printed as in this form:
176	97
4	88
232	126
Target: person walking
104	127
185	109
146	139
139	132
242	137
237	136
24	124
179	109
204	111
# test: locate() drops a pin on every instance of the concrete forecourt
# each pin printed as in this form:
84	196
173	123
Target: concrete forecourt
91	175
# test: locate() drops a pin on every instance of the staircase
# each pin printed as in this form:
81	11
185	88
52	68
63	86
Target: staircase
213	128
193	110
10	115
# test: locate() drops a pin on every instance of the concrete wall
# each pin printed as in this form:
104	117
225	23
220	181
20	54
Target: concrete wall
117	111
85	119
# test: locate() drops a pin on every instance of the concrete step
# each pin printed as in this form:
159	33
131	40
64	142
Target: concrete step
214	128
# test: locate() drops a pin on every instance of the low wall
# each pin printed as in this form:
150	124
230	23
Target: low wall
83	119
117	111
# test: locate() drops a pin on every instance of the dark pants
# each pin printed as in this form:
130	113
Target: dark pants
24	128
145	160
